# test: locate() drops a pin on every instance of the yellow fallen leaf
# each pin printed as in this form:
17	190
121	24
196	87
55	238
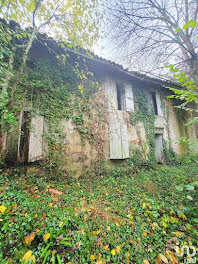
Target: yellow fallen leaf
33	259
117	224
127	257
106	247
143	206
92	257
60	224
174	260
178	250
50	204
150	250
181	215
177	233
144	233
118	249
108	228
28	239
2	209
99	262
46	236
113	252
97	232
146	261
164	224
27	256
154	225
163	258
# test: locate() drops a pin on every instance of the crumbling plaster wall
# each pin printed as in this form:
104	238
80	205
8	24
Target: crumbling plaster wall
77	155
75	151
173	123
168	120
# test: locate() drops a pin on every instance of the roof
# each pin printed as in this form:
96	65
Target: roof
44	39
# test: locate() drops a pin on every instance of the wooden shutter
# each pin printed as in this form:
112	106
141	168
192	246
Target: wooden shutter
36	139
129	102
150	103
110	89
125	143
115	140
119	146
158	101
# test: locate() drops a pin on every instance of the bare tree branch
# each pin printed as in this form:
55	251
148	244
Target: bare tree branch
151	27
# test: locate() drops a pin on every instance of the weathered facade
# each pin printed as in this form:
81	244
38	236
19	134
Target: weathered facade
129	111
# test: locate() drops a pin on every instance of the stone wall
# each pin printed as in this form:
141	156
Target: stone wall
78	154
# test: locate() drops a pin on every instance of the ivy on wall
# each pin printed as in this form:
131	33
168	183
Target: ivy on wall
146	116
59	91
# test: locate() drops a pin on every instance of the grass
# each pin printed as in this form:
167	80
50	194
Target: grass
122	219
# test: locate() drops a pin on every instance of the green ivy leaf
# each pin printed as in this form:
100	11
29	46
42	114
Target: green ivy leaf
180	188
193	24
186	26
9	38
180	80
190	187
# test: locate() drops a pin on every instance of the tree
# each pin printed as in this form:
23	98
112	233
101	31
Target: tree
187	92
72	22
149	33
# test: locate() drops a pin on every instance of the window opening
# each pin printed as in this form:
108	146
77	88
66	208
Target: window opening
154	102
119	97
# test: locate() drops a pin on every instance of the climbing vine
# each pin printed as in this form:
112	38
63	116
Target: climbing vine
59	91
144	114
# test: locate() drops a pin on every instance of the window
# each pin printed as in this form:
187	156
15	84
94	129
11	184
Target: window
125	97
154	103
120	97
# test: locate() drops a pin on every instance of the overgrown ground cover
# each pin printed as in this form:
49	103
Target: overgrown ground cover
121	219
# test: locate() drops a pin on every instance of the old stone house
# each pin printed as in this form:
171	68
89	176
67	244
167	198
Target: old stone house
130	111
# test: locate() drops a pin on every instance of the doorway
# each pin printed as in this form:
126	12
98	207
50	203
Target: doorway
24	137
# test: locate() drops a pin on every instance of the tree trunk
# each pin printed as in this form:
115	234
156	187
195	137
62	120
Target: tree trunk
24	59
8	76
28	47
